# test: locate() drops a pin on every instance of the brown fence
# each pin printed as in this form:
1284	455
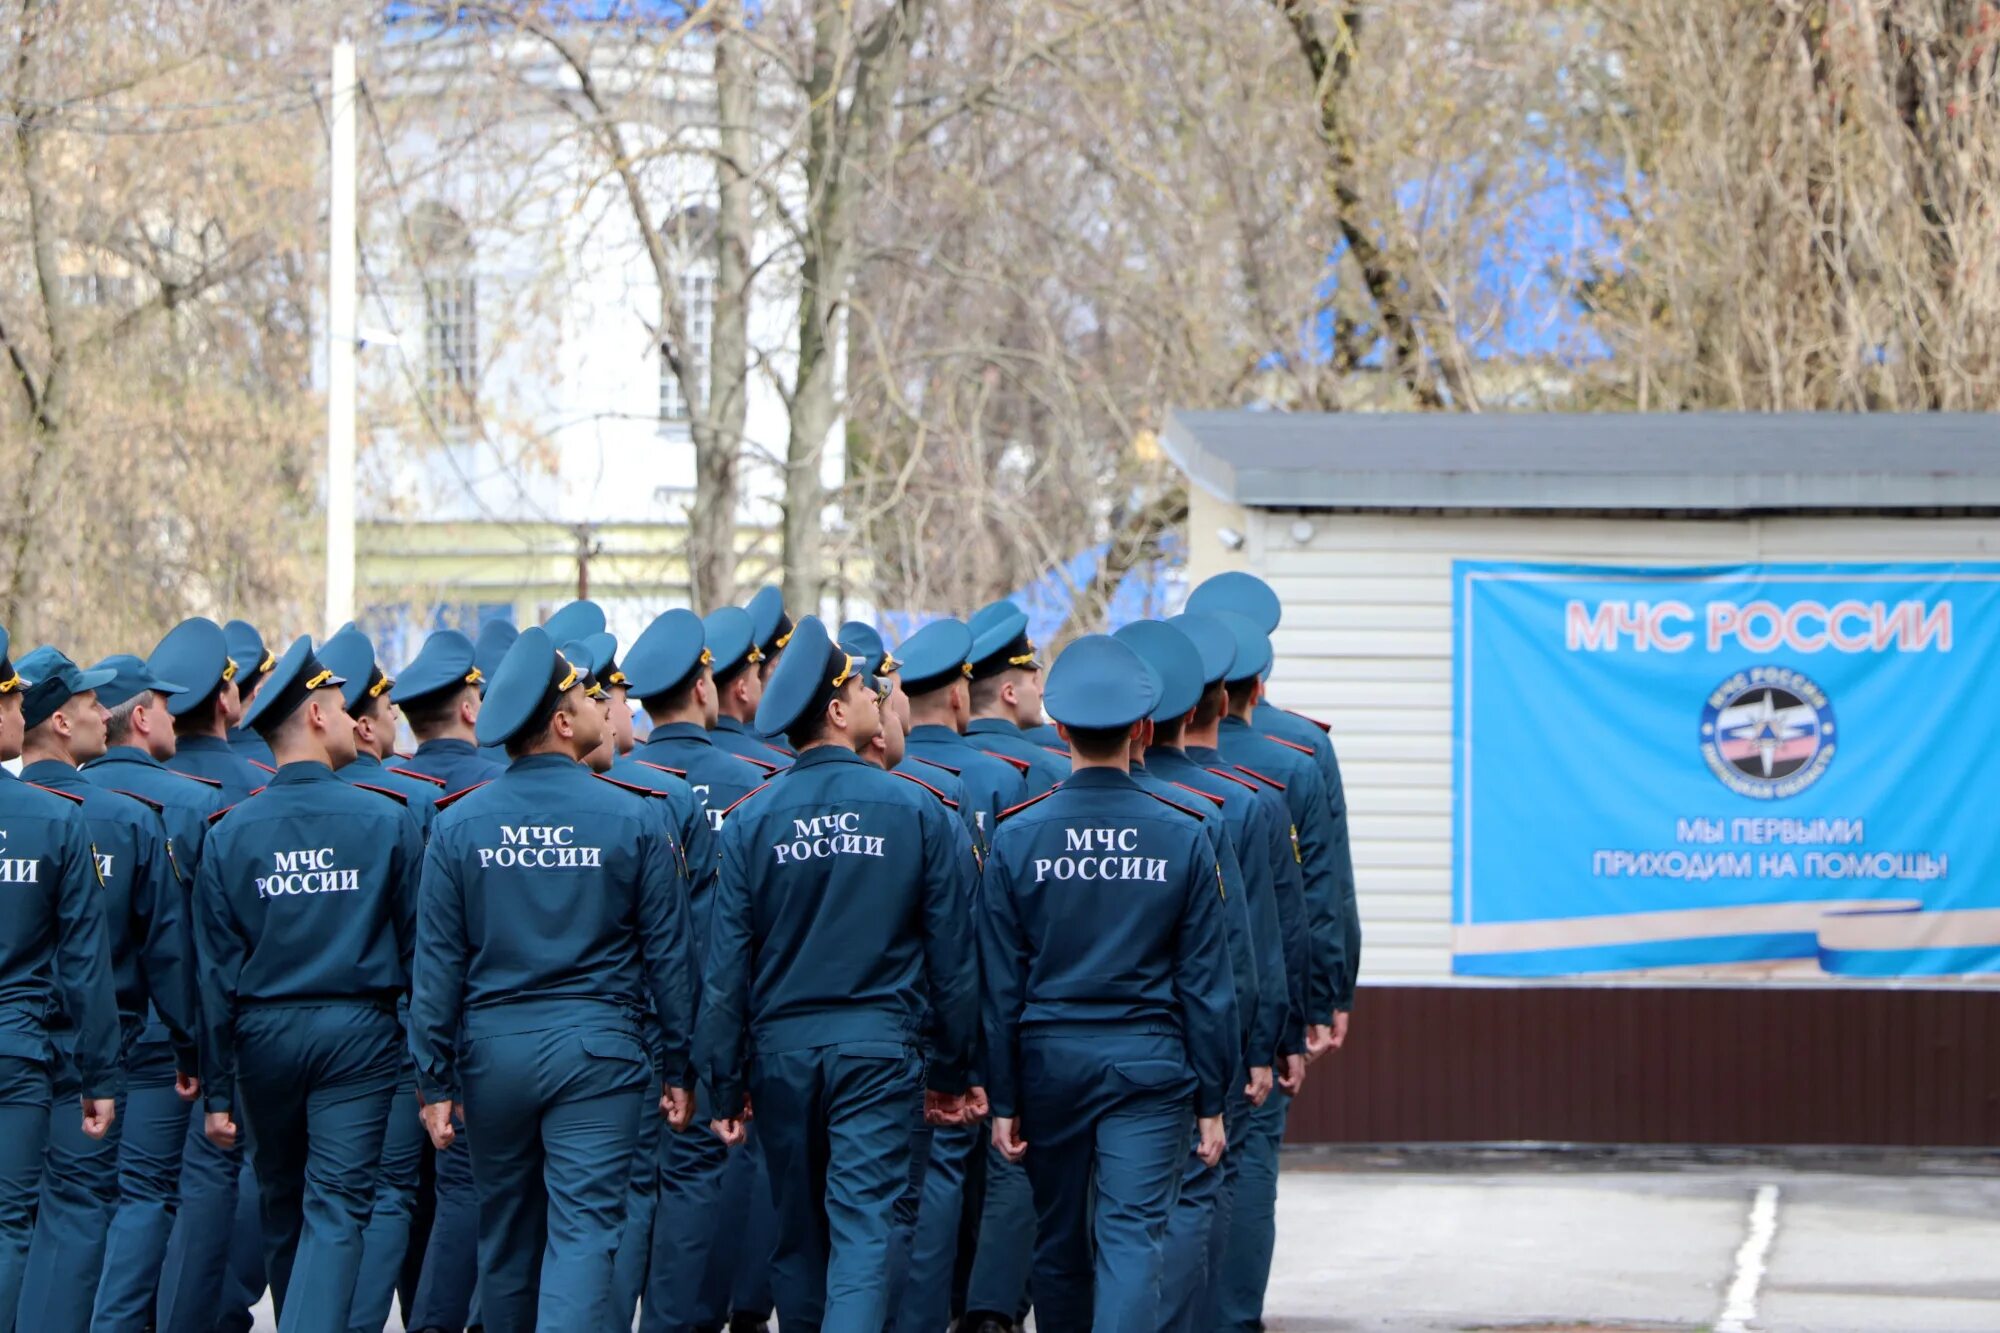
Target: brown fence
1467	1064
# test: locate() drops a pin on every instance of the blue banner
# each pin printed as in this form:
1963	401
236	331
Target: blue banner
1761	771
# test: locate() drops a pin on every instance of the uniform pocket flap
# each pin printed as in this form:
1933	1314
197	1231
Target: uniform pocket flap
1152	1073
614	1046
874	1050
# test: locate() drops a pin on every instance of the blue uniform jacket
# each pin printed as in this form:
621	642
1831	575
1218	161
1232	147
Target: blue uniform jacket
1100	906
211	758
1275	889
548	884
420	793
54	949
950	788
688	819
1250	753
1294	729
457	764
737	738
306	893
1045	768
247	743
145	907
719	778
841	916
185	801
991	783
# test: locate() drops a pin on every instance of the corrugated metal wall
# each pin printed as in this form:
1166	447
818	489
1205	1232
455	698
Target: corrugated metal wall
1366	646
1634	1064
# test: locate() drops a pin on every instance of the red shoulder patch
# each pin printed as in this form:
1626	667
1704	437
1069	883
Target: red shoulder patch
1187	810
412	773
146	801
1021	764
744	797
677	772
1269	782
911	777
1302	749
628	786
395	796
67	796
220	813
444	801
1326	727
777	750
259	763
935	764
1209	795
766	769
1060	754
195	777
1227	776
1017	809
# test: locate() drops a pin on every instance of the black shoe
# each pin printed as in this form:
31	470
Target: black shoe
748	1323
984	1321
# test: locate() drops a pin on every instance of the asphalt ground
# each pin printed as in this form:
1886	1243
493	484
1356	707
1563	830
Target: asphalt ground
1512	1243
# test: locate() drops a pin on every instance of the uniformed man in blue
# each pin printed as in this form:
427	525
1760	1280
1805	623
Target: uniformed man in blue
195	655
1109	1011
553	914
385	1241
215	1254
936	681
151	961
839	940
54	956
304	922
495	637
738	667
1249	596
1260	852
1007	696
771	631
439	693
253	663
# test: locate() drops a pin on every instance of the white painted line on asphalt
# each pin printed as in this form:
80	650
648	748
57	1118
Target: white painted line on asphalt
1741	1306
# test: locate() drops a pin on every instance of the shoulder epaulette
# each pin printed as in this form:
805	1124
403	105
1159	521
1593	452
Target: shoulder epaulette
1021	764
628	786
782	754
406	758
1199	792
1326	727
1272	782
1302	749
1227	776
444	801
258	763
1017	809
67	796
146	801
395	796
935	764
744	797
911	777
647	763
766	769
1189	811
412	773
196	777
223	811
1058	753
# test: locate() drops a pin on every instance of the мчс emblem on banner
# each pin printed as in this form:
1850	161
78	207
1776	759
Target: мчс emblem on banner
1767	733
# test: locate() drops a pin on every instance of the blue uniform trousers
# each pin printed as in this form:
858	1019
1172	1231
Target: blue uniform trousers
1199	1227
315	1086
1202	1316
25	1092
1105	1113
1253	1227
447	1287
925	1304
635	1245
213	1271
1006	1245
687	1218
553	1116
835	1122
386	1238
739	1277
909	1206
153	1126
79	1193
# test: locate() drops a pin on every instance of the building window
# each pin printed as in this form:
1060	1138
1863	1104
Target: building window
451	312
698	314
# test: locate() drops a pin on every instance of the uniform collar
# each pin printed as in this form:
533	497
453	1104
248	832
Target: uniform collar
1097	777
51	773
200	743
724	722
363	761
1203	755
935	731
991	726
125	754
1231	720
445	745
826	754
1165	756
299	771
677	731
539	763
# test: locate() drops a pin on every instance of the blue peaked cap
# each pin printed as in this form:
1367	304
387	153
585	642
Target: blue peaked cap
1099	682
1174	660
1238	593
